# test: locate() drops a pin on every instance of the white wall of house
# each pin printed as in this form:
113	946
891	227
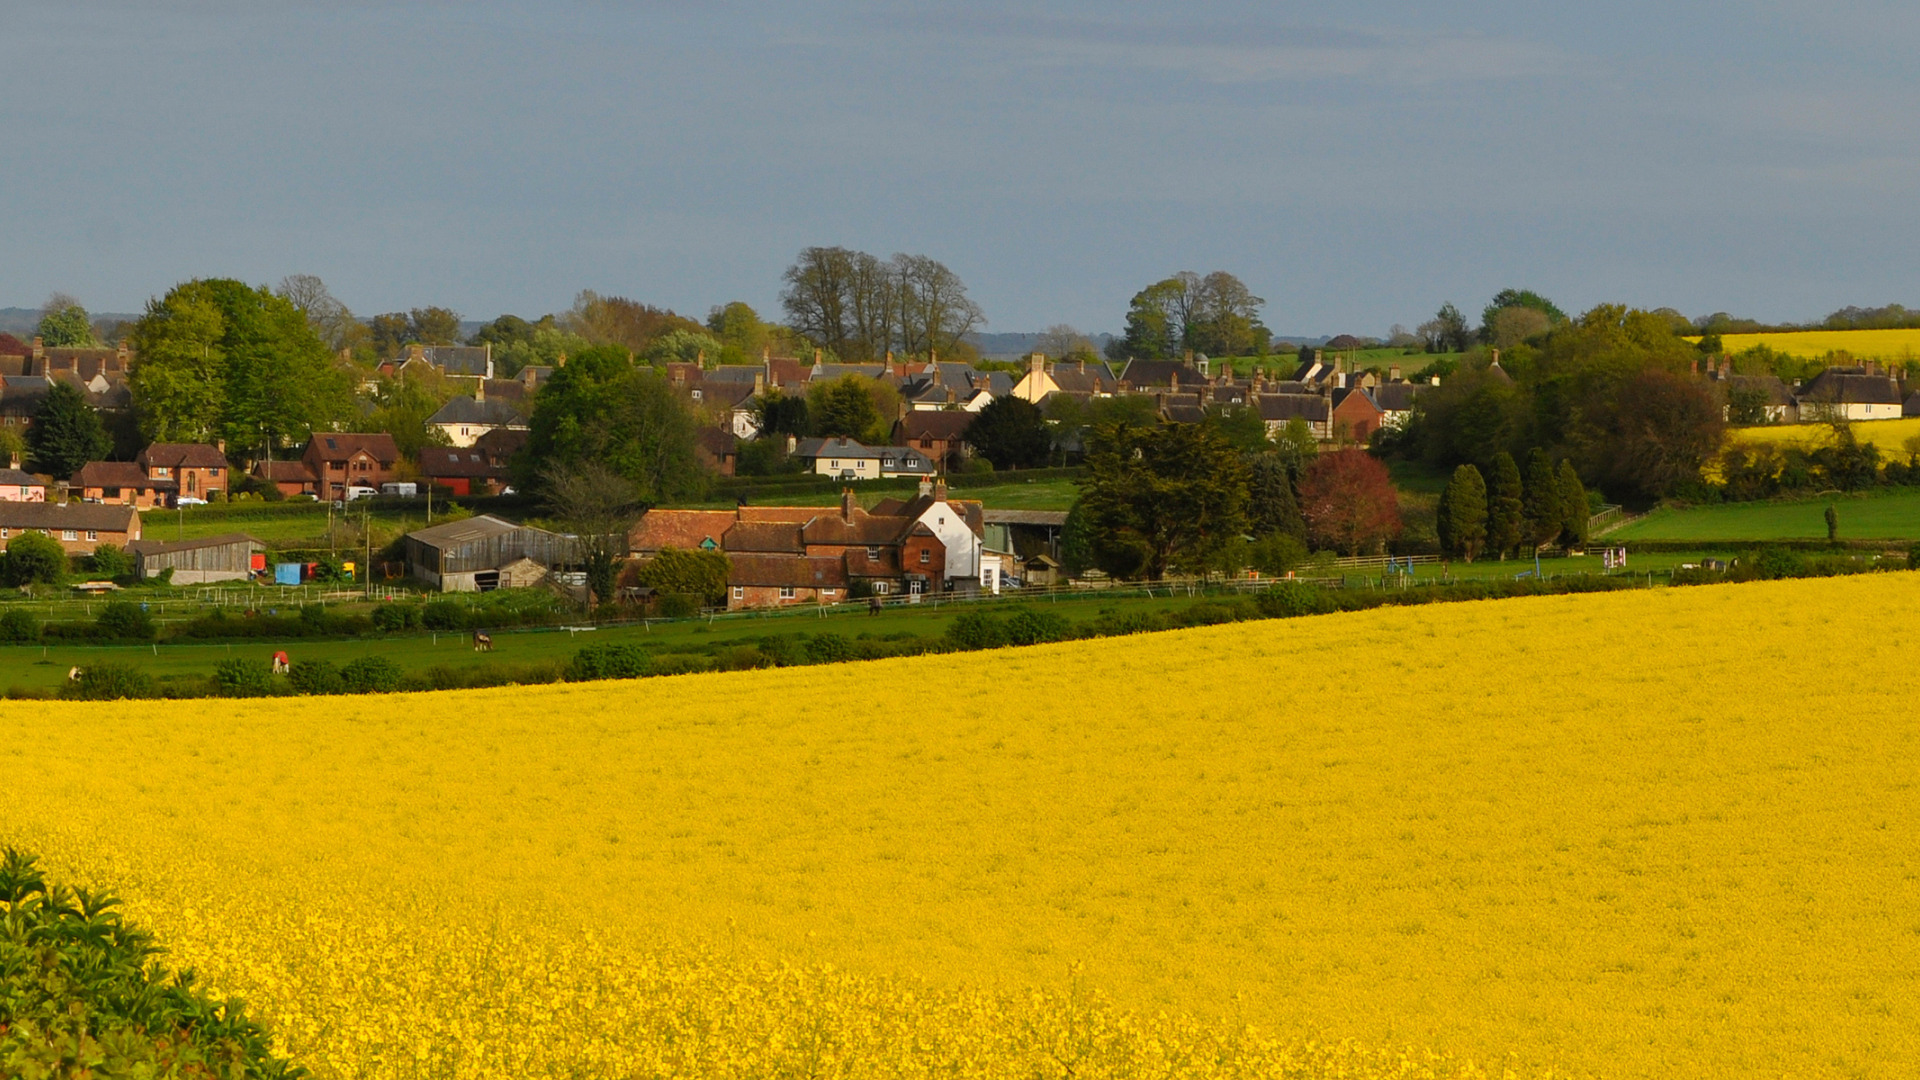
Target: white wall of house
964	550
862	468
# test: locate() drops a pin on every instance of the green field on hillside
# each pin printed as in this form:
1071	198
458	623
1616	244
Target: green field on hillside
1890	516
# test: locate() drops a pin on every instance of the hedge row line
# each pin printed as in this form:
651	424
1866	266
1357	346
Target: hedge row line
972	630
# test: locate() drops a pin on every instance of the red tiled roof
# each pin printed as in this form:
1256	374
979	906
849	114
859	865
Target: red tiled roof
342	445
684	529
284	472
763	536
183	456
117	474
798	571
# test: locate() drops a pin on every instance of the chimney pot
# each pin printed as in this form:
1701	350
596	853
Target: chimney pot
846	505
940	489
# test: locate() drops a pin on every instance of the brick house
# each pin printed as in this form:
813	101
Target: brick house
803	554
291	477
1355	415
342	460
122	483
79	527
462	471
198	471
940	436
17	486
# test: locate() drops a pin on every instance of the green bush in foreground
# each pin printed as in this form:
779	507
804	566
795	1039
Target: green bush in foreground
80	996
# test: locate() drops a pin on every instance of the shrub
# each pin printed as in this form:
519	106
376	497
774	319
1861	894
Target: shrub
781	650
109	561
370	675
88	981
109	682
680	664
243	677
609	662
124	620
1777	562
828	649
679	605
740	658
1288	601
700	574
19	625
443	615
316	677
976	630
33	558
1032	627
397	617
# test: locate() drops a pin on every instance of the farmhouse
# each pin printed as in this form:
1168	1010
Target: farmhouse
80	527
846	459
231	557
484	553
1851	393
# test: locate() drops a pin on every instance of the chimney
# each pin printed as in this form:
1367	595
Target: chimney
926	485
416	351
1037	363
220	445
1726	368
1693	366
766	353
1083	365
1393	372
39	347
793	444
700	358
759	383
940	489
480	390
846	505
1173	380
1873	367
816	357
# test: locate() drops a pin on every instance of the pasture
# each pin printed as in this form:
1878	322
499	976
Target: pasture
1893	515
1550	833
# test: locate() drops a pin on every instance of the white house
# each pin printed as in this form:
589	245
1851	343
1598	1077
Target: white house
846	459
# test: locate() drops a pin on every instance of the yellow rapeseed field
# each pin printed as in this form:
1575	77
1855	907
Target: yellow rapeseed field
1647	834
1902	346
1889	435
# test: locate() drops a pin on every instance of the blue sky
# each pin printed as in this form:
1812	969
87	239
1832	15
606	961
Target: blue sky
1356	164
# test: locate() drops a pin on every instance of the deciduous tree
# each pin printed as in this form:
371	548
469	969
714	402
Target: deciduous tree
64	323
1348	500
601	409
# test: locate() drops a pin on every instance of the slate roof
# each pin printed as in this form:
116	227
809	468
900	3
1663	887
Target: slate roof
19	478
465	410
1851	386
456	462
940	424
456	359
1396	397
162	547
1309	407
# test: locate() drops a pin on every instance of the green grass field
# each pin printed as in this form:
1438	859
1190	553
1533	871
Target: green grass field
1891	516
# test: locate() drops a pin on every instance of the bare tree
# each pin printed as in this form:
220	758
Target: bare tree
598	506
860	306
1061	340
330	319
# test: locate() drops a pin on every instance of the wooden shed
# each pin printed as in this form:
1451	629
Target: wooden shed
483	553
230	557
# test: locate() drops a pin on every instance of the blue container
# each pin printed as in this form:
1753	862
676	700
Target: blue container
286	573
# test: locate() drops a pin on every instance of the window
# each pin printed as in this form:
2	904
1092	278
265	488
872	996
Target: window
826	592
69	534
93	534
696	395
109	493
873	552
786	592
6	534
161	472
739	592
881	588
926	556
836	463
215	471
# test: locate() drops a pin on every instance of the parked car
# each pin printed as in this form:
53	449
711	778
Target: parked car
188	500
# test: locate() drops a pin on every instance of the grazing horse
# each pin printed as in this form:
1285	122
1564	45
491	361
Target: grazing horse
280	665
73	674
481	642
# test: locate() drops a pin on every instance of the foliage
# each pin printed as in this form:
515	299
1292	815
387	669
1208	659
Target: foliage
33	558
626	325
1576	512
111	562
1272	505
1162	498
1240	425
1216	314
316	677
1517	300
124	620
18	626
1542	512
243	676
1349	502
1463	514
370	675
600	410
1012	433
859	307
402	405
222	360
609	662
782	414
66	433
109	681
65	325
848	407
701	574
1077	542
1506	507
82	994
597	505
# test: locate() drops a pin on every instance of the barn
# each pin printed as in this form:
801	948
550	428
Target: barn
229	557
480	554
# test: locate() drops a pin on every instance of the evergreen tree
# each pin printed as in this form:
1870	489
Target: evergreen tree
66	432
1076	542
1012	433
1543	509
1506	510
1573	508
1272	506
1463	513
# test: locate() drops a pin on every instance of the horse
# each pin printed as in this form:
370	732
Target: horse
73	674
481	642
280	665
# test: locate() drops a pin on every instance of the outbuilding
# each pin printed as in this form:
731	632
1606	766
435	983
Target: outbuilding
231	557
480	554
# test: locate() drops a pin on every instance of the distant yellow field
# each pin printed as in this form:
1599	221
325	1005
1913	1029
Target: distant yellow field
1889	435
1895	345
1657	833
